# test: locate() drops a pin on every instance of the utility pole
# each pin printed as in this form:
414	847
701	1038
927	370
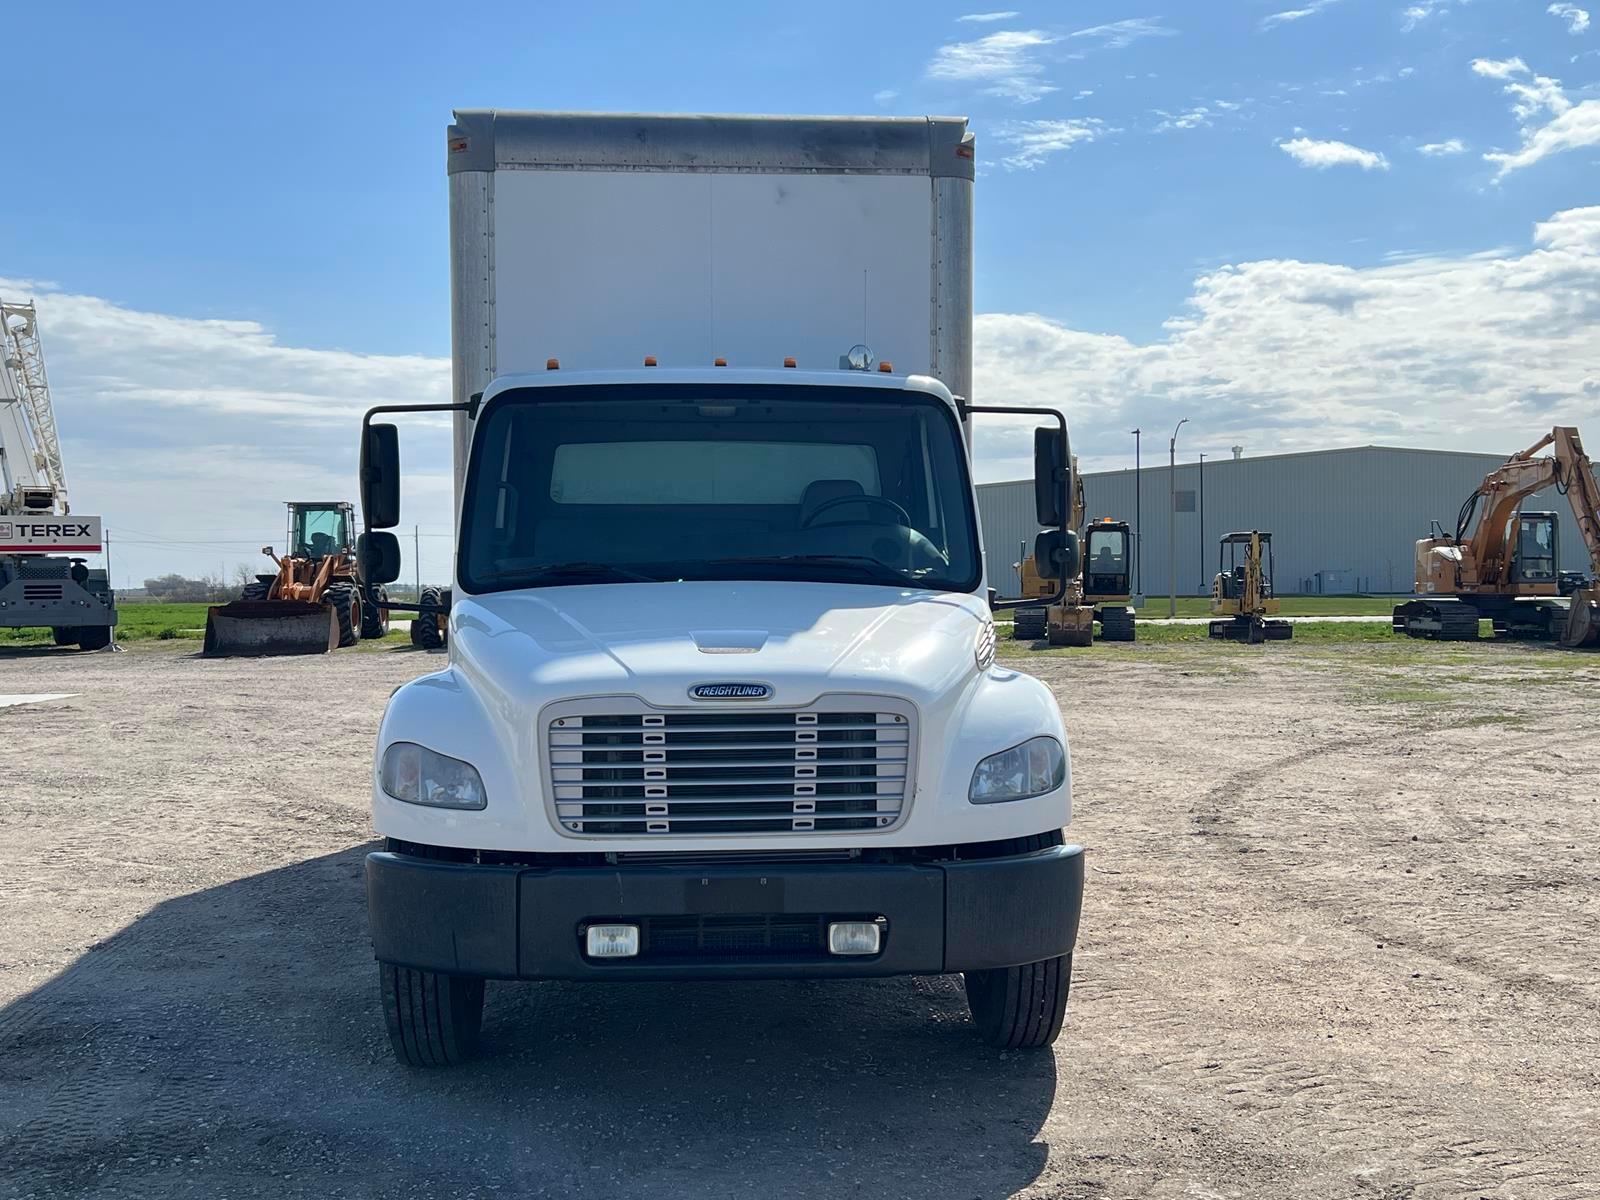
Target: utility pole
416	558
1138	544
1202	591
1172	519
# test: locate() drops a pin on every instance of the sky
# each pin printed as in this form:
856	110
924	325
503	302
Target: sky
1298	223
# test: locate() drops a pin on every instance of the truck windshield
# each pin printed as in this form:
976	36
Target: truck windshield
623	484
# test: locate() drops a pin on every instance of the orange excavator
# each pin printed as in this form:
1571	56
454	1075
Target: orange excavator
1507	569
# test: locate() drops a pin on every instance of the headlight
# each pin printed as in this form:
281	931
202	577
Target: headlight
1031	769
417	775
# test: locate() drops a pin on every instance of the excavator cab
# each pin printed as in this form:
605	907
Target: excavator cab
1535	551
1105	561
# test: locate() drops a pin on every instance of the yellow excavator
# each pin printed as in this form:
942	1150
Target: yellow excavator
1099	592
312	604
1241	592
1507	569
1069	623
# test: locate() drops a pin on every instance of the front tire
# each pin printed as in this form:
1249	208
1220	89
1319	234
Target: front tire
1020	1008
375	616
64	635
434	1020
347	608
427	628
93	637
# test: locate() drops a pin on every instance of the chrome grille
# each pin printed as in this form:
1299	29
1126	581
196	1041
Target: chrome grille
839	766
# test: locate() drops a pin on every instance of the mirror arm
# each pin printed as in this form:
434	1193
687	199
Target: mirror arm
1063	585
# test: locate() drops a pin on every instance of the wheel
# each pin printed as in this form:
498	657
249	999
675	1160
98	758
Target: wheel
427	628
1019	1008
433	1019
1029	624
1116	624
374	616
347	607
255	591
93	637
64	635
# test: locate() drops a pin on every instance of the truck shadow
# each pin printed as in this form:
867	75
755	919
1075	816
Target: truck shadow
230	1041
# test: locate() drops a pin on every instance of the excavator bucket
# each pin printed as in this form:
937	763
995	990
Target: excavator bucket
1583	620
253	628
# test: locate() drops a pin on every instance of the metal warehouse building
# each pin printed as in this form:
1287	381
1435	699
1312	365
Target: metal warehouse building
1341	520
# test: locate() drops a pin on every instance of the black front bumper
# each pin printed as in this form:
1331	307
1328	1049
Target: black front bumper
510	922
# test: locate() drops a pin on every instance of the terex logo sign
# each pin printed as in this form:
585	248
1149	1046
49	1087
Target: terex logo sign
50	535
730	691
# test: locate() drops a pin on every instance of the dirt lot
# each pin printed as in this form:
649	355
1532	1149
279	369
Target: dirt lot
1340	940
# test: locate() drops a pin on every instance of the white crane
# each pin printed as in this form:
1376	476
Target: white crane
30	449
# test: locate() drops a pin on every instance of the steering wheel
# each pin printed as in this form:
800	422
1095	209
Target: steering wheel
811	517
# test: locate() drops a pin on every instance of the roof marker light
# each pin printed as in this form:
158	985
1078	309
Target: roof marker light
788	362
719	362
649	360
885	367
552	364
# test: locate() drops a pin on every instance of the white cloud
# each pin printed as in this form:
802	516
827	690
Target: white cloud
1309	152
1576	18
1198	117
1034	142
886	96
985	18
1297	355
1421	11
1296	14
1568	127
1119	34
1440	149
1003	64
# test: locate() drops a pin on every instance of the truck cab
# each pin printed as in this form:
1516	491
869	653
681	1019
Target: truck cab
721	699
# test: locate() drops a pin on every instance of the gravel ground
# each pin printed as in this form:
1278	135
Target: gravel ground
1340	940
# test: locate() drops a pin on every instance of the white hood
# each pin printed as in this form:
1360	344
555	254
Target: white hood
656	640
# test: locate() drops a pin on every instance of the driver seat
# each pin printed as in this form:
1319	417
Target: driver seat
820	491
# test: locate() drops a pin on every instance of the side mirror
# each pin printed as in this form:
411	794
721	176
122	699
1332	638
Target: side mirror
380	477
1056	554
378	557
1051	482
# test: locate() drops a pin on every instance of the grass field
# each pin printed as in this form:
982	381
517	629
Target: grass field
1288	606
142	622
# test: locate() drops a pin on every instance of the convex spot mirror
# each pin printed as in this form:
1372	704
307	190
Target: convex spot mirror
1056	554
378	557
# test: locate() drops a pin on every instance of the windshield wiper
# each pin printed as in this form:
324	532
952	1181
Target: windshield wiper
861	563
573	571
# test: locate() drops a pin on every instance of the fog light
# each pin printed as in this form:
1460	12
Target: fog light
854	937
611	941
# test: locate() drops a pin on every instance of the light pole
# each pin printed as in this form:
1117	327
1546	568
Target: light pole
1202	525
1172	519
1138	546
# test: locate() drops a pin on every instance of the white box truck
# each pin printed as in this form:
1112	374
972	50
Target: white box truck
721	699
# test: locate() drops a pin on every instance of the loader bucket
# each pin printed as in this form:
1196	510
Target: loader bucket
1583	620
252	628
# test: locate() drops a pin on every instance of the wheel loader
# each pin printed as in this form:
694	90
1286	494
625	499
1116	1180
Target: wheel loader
1241	592
313	604
1506	570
